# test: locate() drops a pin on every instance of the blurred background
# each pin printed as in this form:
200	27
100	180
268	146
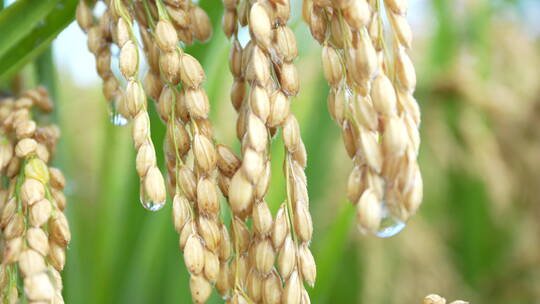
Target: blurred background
476	236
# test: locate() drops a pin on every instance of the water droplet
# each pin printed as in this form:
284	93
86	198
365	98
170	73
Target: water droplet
349	92
243	36
147	203
152	206
225	297
390	225
116	118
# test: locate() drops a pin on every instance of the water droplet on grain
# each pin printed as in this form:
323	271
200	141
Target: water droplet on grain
116	118
390	225
147	203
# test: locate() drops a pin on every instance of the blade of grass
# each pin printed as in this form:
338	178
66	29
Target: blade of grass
36	41
18	20
445	42
476	254
345	286
46	72
110	208
329	249
125	204
480	28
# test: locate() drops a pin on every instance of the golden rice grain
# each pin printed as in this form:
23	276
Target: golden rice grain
375	109
34	227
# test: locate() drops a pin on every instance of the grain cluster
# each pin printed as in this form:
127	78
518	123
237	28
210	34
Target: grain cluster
116	26
34	230
272	260
259	257
371	100
174	81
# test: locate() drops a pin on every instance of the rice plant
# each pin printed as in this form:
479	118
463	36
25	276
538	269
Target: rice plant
269	151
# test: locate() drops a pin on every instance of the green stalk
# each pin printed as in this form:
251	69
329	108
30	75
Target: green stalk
113	208
46	73
331	247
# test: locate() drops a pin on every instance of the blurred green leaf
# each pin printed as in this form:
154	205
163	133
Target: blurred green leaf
330	249
477	252
345	286
46	72
36	33
18	20
446	38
